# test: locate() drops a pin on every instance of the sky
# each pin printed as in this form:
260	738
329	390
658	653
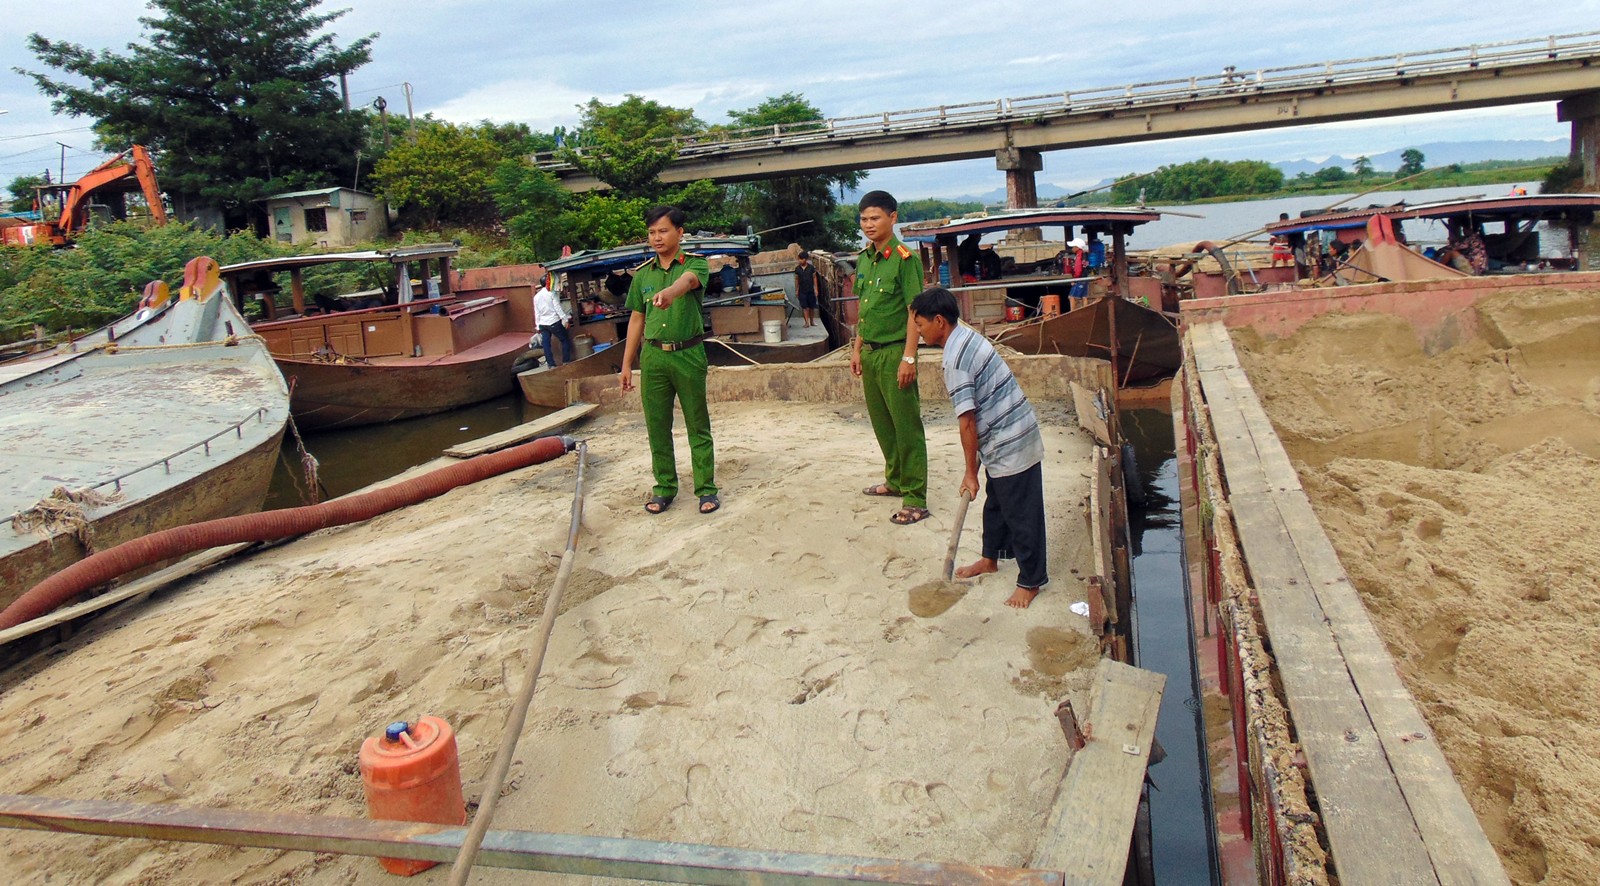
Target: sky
534	61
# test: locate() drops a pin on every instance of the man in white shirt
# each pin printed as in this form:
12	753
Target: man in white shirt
552	322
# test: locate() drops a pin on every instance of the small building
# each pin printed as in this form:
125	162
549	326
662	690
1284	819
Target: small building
326	217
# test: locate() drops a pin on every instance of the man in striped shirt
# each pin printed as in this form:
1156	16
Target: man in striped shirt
1000	430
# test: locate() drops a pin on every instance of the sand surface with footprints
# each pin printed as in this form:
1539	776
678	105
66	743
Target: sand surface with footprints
755	677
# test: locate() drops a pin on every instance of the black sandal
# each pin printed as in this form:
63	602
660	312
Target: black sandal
711	500
660	502
909	515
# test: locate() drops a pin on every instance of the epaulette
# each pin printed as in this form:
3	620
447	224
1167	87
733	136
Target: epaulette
904	252
694	255
644	264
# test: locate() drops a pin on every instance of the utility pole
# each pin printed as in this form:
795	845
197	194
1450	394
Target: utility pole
64	160
382	104
412	132
344	89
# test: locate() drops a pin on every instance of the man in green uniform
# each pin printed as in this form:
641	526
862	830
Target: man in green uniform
884	356
665	300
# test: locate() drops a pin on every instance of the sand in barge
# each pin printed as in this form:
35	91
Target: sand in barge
1442	439
752	678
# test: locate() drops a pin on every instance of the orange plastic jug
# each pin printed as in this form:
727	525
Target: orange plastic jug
412	773
1050	305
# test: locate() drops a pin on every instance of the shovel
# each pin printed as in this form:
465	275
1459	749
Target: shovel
955	537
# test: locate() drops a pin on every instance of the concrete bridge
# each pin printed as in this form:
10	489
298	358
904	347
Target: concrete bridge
1015	130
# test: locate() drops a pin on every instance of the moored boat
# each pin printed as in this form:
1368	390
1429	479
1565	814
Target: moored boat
166	417
350	362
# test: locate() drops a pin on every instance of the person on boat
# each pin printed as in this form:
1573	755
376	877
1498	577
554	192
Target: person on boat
990	264
805	288
552	321
1075	264
665	320
883	355
1096	253
1000	430
1281	254
1452	256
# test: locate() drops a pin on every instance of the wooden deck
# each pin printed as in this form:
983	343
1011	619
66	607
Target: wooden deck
1389	802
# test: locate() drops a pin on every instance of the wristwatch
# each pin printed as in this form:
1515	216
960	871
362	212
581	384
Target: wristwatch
910	361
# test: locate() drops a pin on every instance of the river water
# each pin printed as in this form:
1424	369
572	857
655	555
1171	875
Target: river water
350	459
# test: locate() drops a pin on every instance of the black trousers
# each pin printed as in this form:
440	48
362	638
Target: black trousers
1013	524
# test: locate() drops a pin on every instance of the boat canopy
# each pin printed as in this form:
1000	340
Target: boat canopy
402	255
1107	218
1494	209
632	255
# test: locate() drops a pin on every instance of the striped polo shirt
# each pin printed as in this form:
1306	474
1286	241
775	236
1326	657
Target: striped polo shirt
977	379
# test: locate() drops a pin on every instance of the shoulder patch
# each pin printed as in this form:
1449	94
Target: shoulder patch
903	251
694	255
644	264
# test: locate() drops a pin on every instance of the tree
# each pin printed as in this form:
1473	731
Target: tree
22	193
238	97
1410	163
624	144
802	205
1363	166
444	174
1330	174
1200	179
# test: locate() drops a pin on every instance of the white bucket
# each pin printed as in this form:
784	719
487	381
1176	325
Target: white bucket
772	331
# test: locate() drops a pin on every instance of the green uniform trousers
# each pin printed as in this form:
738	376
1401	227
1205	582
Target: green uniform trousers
664	376
896	415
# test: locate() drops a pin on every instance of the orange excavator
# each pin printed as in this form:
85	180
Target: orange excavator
129	171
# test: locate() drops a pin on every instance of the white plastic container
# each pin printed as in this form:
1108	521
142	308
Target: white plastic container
772	331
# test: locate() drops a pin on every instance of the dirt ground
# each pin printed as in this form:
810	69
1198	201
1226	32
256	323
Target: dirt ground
1460	490
761	677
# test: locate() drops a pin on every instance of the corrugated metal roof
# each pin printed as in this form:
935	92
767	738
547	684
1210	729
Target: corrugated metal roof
1031	218
320	192
1524	206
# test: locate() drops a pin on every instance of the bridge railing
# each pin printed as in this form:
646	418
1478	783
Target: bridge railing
1228	83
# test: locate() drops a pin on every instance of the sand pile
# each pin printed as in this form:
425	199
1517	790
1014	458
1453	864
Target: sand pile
1459	490
756	677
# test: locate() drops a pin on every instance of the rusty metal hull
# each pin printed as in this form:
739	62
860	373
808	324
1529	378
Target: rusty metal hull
1147	341
745	353
342	395
171	420
237	487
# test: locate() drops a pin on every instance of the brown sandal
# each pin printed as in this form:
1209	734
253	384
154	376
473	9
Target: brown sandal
885	492
908	516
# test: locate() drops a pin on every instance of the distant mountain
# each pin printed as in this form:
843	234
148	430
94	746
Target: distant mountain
1440	154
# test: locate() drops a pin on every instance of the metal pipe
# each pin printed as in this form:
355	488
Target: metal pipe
521	850
462	869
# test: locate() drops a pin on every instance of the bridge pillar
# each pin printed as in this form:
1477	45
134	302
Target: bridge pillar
1019	165
1583	112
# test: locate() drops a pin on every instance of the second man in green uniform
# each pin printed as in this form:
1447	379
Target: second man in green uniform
884	356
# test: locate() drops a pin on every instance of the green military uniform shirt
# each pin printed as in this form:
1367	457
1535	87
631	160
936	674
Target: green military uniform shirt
681	320
886	281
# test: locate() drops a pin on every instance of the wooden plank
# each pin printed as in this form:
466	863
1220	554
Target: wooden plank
1371	832
1084	403
522	433
1461	851
1090	826
149	584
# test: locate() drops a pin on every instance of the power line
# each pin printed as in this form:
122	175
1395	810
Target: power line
12	138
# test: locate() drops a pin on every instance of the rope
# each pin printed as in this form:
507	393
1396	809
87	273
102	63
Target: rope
736	351
230	341
64	511
519	710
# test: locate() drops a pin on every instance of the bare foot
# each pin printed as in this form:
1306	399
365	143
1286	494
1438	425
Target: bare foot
1021	597
977	567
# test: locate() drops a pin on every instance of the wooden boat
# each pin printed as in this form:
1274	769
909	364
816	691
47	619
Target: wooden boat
547	386
800	344
1508	226
582	279
351	363
166	417
1106	324
1140	343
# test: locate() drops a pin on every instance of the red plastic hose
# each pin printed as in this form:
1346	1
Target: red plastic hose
101	567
